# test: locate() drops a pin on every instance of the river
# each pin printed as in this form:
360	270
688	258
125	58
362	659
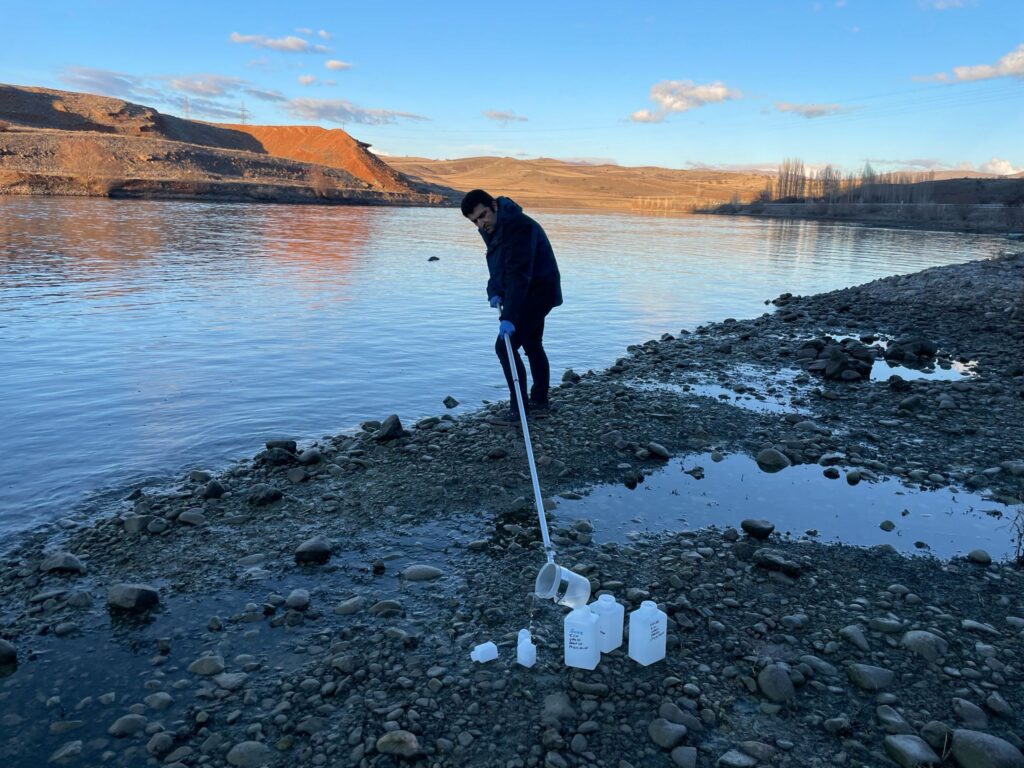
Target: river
141	339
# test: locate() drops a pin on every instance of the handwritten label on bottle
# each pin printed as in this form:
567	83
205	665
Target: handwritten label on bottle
575	641
656	630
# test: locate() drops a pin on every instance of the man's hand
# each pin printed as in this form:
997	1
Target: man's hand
495	301
506	328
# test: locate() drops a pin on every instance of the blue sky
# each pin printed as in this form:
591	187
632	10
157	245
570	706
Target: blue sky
910	84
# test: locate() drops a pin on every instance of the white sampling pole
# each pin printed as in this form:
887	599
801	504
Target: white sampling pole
542	518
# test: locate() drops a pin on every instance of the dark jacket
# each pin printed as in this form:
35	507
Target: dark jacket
522	266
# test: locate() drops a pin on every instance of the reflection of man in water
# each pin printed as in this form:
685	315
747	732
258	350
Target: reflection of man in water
524	282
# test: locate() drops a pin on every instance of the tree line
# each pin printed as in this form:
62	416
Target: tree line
797	184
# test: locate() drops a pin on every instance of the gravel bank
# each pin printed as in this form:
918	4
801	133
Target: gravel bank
316	604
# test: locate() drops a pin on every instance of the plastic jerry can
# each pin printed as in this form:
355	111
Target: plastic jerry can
610	615
648	631
581	639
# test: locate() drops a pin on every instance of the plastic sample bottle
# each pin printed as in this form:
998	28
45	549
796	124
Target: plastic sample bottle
648	631
610	615
526	651
581	639
484	652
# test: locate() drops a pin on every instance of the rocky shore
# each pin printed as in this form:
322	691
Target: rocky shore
316	605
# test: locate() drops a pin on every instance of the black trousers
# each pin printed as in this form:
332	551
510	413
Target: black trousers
530	336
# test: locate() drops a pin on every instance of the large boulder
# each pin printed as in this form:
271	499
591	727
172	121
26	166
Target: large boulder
61	562
315	550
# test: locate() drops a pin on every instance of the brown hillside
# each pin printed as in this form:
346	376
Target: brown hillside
60	142
558	184
333	148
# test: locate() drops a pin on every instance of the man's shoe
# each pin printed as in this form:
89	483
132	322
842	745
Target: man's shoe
542	407
508	418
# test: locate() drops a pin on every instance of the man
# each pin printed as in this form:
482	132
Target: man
525	283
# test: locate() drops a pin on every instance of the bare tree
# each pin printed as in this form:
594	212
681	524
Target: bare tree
90	164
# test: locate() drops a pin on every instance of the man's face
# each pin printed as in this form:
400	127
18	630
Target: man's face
484	218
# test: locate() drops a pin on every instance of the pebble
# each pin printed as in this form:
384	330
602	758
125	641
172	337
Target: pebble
250	754
854	635
736	759
422	573
207	666
67	752
910	751
61	562
757	529
315	550
684	757
192	517
980	557
401	743
870	678
350	606
127	725
928	646
771	460
298	600
8	654
666	734
775	683
135	598
973	749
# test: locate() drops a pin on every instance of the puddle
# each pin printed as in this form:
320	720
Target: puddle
61	680
955	371
763	390
796	499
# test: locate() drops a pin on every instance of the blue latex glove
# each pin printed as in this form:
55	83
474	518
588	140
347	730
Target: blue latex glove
506	328
495	301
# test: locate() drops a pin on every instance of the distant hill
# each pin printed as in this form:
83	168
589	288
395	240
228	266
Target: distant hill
61	142
560	184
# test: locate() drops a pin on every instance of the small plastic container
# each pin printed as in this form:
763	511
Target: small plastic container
610	617
562	585
648	631
581	639
484	652
526	651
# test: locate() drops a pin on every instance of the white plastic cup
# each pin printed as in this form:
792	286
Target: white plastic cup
648	632
581	639
526	651
610	615
562	585
484	652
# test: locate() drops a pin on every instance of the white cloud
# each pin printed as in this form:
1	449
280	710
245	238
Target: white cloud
335	65
1000	167
812	110
941	5
1010	65
205	85
304	31
503	118
289	44
682	96
323	34
306	79
264	95
916	163
104	82
341	111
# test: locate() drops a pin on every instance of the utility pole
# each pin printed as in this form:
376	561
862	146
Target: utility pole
243	114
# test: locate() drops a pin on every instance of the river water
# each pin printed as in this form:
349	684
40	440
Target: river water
140	339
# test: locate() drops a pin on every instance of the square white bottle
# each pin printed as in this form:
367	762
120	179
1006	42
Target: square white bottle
610	616
648	631
581	639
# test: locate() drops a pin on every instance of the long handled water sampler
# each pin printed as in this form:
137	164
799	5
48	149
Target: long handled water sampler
553	581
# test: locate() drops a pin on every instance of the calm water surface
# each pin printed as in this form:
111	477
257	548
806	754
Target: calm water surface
140	339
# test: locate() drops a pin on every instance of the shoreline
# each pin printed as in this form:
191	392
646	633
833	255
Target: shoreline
969	219
455	493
